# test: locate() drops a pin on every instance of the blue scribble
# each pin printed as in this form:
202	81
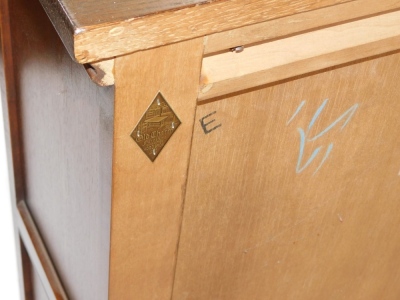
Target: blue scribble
330	147
300	169
348	114
317	113
297	111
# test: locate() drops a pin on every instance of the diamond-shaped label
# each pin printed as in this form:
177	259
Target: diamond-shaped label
156	127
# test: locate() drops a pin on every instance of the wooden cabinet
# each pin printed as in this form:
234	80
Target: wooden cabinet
295	195
220	150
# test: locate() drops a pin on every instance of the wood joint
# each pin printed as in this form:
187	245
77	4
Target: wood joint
102	72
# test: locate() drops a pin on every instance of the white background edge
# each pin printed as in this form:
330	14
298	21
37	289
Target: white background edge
9	289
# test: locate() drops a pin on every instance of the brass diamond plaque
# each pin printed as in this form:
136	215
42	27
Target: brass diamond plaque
156	127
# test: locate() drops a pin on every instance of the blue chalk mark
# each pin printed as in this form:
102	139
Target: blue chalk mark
328	151
297	111
349	113
302	146
317	113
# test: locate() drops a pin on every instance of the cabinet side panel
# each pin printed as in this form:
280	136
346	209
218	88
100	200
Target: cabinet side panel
148	196
296	194
10	110
66	128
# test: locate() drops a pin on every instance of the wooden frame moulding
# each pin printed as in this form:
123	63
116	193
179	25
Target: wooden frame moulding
38	254
296	24
88	43
102	72
147	197
10	107
231	72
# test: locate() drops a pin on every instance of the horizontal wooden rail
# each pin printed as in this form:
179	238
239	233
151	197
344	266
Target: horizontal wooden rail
96	42
282	59
38	254
298	23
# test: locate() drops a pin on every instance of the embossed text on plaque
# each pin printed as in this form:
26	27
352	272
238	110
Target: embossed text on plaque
156	127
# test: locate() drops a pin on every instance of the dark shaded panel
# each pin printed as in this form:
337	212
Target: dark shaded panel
66	124
13	145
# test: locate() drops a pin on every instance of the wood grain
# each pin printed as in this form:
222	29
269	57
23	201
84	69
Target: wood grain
68	16
265	63
256	226
148	196
10	108
295	24
92	43
90	13
40	259
67	129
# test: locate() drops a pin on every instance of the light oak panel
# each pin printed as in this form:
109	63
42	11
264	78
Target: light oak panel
148	196
97	42
261	224
231	72
295	24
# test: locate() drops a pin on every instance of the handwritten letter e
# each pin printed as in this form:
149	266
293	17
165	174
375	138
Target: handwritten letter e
305	138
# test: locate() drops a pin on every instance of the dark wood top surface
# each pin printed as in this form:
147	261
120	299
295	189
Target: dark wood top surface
84	13
94	30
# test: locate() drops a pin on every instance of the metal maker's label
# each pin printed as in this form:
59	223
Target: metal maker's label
156	127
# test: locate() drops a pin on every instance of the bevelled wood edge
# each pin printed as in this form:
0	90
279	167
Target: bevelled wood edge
94	43
68	23
101	73
65	27
278	60
296	24
38	254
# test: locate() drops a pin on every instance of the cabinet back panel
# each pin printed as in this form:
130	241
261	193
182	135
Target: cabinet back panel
296	194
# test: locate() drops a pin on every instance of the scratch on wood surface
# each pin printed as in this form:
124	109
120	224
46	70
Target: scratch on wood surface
340	218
